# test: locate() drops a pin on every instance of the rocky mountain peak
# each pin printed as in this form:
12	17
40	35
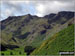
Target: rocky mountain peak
67	14
50	15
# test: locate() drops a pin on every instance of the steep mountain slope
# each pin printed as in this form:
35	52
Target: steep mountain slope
31	30
62	41
27	28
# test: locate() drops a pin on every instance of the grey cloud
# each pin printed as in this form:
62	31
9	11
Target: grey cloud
67	5
10	6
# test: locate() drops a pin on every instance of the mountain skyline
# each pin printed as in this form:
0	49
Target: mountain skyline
48	15
28	35
39	8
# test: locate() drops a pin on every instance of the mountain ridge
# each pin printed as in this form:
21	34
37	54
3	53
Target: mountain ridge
28	30
43	16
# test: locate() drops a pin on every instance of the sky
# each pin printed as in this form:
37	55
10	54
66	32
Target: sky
34	7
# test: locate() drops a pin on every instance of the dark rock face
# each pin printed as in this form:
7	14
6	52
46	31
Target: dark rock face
5	47
47	26
28	49
43	32
12	46
2	47
50	16
2	27
63	14
23	36
66	14
63	22
13	39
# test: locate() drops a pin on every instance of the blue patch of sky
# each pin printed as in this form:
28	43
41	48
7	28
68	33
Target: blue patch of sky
21	9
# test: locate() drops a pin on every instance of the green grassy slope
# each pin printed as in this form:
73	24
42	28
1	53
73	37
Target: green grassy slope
62	41
31	30
17	51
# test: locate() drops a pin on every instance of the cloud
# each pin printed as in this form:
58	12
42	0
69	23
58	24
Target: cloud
53	6
13	8
37	7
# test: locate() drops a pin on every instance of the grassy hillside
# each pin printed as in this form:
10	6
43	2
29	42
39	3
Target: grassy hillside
62	41
27	29
15	51
31	31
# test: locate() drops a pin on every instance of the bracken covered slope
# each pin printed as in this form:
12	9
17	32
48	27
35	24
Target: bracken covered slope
62	41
